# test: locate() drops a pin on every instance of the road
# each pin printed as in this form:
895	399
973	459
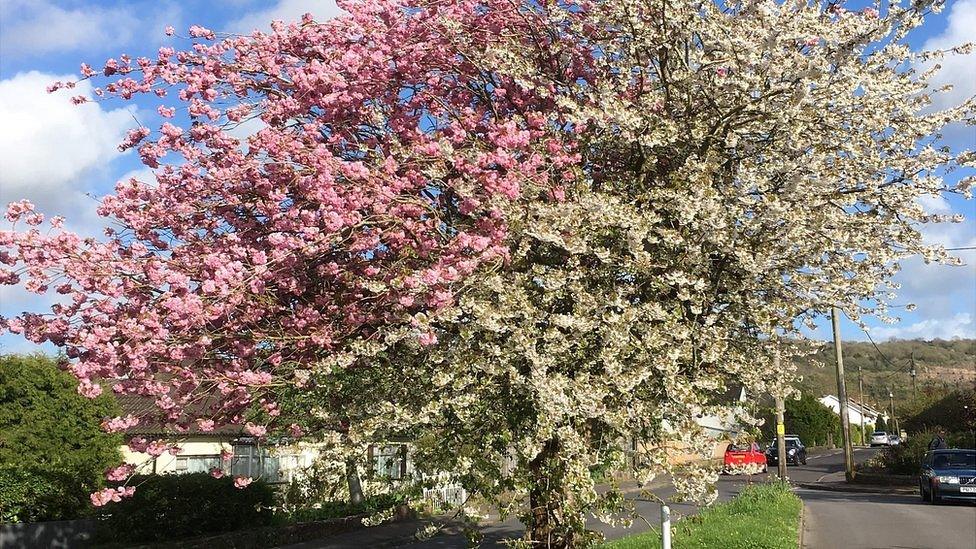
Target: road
870	520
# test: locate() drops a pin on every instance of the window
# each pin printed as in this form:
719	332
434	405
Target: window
197	464
389	460
255	461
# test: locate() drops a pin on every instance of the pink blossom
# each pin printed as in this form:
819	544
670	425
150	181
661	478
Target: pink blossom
217	472
119	473
242	482
427	339
870	13
169	30
119	424
107	495
255	430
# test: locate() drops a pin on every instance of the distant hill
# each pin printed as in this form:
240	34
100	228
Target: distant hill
941	366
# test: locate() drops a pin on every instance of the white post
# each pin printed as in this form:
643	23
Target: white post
665	527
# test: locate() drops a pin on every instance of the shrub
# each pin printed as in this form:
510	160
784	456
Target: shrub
167	507
905	458
338	509
53	450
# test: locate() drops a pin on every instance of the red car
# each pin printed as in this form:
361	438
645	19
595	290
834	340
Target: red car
746	458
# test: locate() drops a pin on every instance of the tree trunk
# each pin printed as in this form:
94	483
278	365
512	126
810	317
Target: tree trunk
548	526
355	485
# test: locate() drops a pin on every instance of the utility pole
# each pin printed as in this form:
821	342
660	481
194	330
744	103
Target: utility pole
860	398
845	420
914	373
780	439
780	428
891	402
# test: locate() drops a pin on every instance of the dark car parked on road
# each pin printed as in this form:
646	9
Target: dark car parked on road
796	452
948	475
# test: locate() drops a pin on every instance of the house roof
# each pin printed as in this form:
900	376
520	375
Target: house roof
150	423
859	407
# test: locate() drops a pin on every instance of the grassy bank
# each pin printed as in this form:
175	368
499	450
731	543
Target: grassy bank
764	516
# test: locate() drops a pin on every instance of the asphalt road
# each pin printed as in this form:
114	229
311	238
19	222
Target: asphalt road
869	520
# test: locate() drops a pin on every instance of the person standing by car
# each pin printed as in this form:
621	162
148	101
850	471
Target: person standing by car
938	442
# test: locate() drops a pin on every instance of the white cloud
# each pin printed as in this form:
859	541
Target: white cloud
935	204
959	325
958	70
37	27
33	27
284	10
48	144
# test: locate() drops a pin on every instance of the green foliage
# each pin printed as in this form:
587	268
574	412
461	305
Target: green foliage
338	509
169	507
953	412
880	424
811	420
763	515
52	449
905	458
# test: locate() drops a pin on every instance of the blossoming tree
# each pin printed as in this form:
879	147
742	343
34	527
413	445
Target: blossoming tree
530	234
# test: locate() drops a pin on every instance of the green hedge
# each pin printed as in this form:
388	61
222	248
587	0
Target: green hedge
763	515
31	494
168	507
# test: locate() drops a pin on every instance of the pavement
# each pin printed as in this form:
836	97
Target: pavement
832	519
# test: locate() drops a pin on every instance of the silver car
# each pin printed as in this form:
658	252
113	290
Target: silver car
880	438
948	475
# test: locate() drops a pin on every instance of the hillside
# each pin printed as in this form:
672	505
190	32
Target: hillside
941	366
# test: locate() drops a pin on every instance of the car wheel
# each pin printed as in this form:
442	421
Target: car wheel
921	491
804	460
765	468
934	497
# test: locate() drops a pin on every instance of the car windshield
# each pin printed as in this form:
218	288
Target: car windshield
955	460
792	443
738	448
879	434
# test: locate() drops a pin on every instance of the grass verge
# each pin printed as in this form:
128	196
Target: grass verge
763	516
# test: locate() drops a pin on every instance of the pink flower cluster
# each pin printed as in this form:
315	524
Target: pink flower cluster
120	473
233	263
107	495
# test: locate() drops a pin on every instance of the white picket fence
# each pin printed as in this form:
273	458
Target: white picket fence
451	495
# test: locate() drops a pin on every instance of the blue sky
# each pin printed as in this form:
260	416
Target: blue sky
56	154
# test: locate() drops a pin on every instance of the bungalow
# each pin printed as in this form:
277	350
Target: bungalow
201	451
856	411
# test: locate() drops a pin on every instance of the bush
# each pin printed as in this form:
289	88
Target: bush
53	450
905	458
167	507
339	509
